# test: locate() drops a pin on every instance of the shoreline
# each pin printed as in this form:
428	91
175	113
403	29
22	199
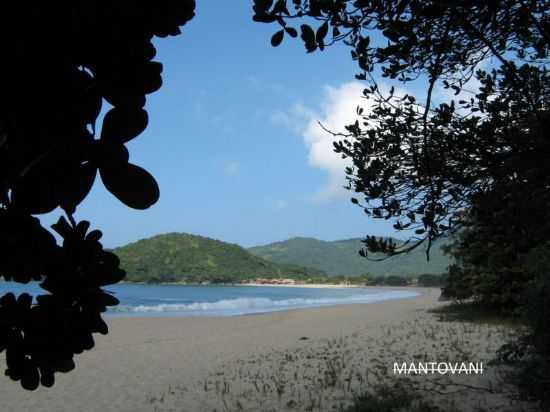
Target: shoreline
277	361
176	314
221	313
305	285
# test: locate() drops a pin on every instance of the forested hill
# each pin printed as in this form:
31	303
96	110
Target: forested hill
181	257
341	257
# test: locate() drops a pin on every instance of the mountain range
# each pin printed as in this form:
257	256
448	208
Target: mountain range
341	257
182	257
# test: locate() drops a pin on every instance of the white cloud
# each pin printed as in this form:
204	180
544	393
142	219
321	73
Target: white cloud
232	168
294	119
337	109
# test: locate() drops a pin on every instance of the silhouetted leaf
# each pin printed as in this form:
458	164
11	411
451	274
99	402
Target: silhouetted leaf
150	77
117	96
264	18
77	185
81	229
94	235
65	365
62	227
277	38
262	6
100	326
47	377
308	36
31	378
38	193
132	185
322	33
122	124
109	154
291	31
280	7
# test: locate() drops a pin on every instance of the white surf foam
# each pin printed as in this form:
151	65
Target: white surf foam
241	306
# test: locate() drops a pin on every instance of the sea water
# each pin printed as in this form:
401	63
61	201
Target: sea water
183	300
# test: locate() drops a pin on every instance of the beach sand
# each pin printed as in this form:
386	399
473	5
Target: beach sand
310	359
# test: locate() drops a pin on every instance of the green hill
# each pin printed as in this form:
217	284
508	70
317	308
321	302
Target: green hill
341	257
180	257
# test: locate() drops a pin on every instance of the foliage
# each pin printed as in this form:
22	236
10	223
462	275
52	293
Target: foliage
487	271
60	63
181	257
419	165
531	352
353	280
389	281
429	280
474	166
340	257
538	297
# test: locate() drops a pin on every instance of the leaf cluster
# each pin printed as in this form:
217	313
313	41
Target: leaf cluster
420	165
61	64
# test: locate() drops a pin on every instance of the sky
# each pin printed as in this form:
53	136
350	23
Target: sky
234	141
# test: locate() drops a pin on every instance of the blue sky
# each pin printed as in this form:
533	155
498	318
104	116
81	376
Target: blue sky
233	140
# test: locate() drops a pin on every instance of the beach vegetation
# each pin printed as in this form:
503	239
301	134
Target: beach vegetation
471	163
389	281
429	280
354	372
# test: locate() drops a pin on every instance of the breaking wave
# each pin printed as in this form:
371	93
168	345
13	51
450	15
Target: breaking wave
242	306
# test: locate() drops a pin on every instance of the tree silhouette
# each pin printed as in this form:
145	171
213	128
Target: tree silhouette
60	63
432	169
475	166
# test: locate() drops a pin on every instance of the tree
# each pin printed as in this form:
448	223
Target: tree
61	62
474	167
429	280
430	168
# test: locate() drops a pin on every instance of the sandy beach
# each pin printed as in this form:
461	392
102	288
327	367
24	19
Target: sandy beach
310	359
305	285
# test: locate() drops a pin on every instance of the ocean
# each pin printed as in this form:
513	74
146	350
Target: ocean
180	300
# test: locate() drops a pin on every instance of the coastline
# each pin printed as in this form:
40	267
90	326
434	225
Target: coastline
270	361
305	285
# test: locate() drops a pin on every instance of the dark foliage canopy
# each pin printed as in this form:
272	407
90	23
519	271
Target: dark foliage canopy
61	63
475	166
431	168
